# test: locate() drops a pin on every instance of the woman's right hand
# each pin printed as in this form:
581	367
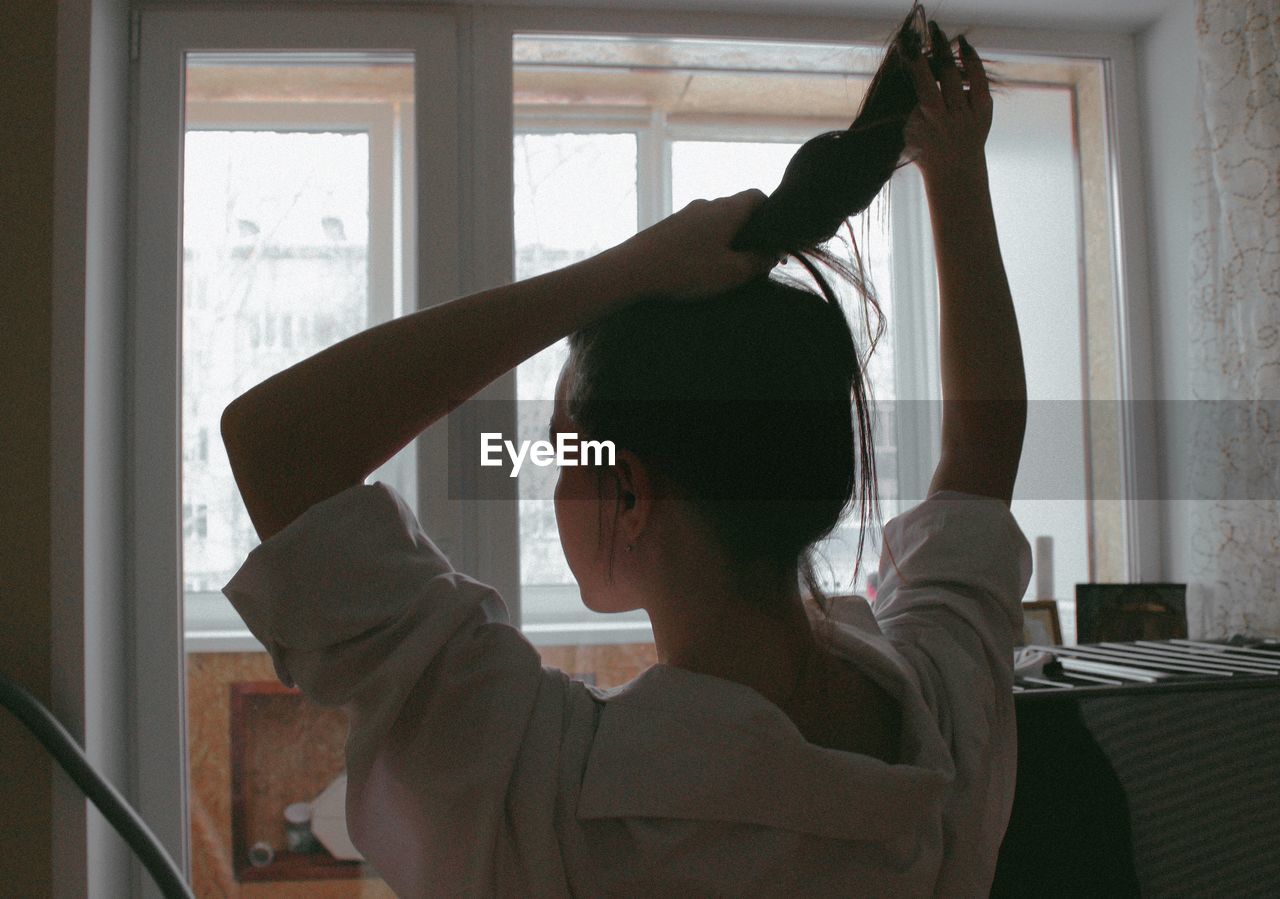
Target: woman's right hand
688	255
947	131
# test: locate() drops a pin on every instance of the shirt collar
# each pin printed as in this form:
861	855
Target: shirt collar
678	744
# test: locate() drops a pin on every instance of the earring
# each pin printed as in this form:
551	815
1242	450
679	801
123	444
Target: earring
630	546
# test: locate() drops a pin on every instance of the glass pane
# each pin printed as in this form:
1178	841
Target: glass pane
297	205
275	267
558	222
575	195
717	168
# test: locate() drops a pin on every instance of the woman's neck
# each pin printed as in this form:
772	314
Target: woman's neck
734	638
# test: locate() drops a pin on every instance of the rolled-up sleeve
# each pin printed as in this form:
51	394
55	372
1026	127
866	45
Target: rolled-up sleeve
360	609
336	595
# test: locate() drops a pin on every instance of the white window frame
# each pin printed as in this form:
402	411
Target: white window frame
216	627
494	29
463	85
166	35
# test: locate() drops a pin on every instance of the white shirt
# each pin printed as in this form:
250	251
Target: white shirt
475	771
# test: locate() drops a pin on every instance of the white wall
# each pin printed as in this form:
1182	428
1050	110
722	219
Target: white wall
1167	68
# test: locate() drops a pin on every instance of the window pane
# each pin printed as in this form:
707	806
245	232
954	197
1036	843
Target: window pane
276	233
708	169
575	195
1032	152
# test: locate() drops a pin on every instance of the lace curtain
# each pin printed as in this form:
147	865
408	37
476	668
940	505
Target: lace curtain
1235	321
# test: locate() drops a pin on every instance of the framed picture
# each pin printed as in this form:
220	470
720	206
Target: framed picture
1040	624
1124	612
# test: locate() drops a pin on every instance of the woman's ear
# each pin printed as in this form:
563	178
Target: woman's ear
635	495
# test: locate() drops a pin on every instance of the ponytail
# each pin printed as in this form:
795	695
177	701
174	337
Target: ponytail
836	175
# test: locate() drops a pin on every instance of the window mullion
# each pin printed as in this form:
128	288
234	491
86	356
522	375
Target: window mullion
653	171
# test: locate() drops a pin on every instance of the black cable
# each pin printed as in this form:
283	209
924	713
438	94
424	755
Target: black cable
63	747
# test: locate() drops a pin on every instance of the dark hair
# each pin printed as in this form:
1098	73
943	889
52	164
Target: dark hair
753	404
741	403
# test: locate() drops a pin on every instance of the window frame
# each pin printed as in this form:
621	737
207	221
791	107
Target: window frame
495	27
154	557
216	627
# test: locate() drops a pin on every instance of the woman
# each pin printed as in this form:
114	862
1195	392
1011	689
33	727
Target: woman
766	753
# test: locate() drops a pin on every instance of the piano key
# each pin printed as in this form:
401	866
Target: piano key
1044	682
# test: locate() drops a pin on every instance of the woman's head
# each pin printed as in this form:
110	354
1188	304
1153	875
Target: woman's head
748	408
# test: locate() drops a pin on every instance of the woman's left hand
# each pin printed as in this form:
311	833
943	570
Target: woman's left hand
687	255
947	131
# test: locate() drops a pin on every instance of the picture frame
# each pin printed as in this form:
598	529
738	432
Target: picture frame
1127	612
1040	623
283	748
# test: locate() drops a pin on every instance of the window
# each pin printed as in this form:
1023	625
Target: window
294	224
645	123
612	133
645	148
278	210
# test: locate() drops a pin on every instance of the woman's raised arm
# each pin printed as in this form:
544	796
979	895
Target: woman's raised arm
984	391
325	424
